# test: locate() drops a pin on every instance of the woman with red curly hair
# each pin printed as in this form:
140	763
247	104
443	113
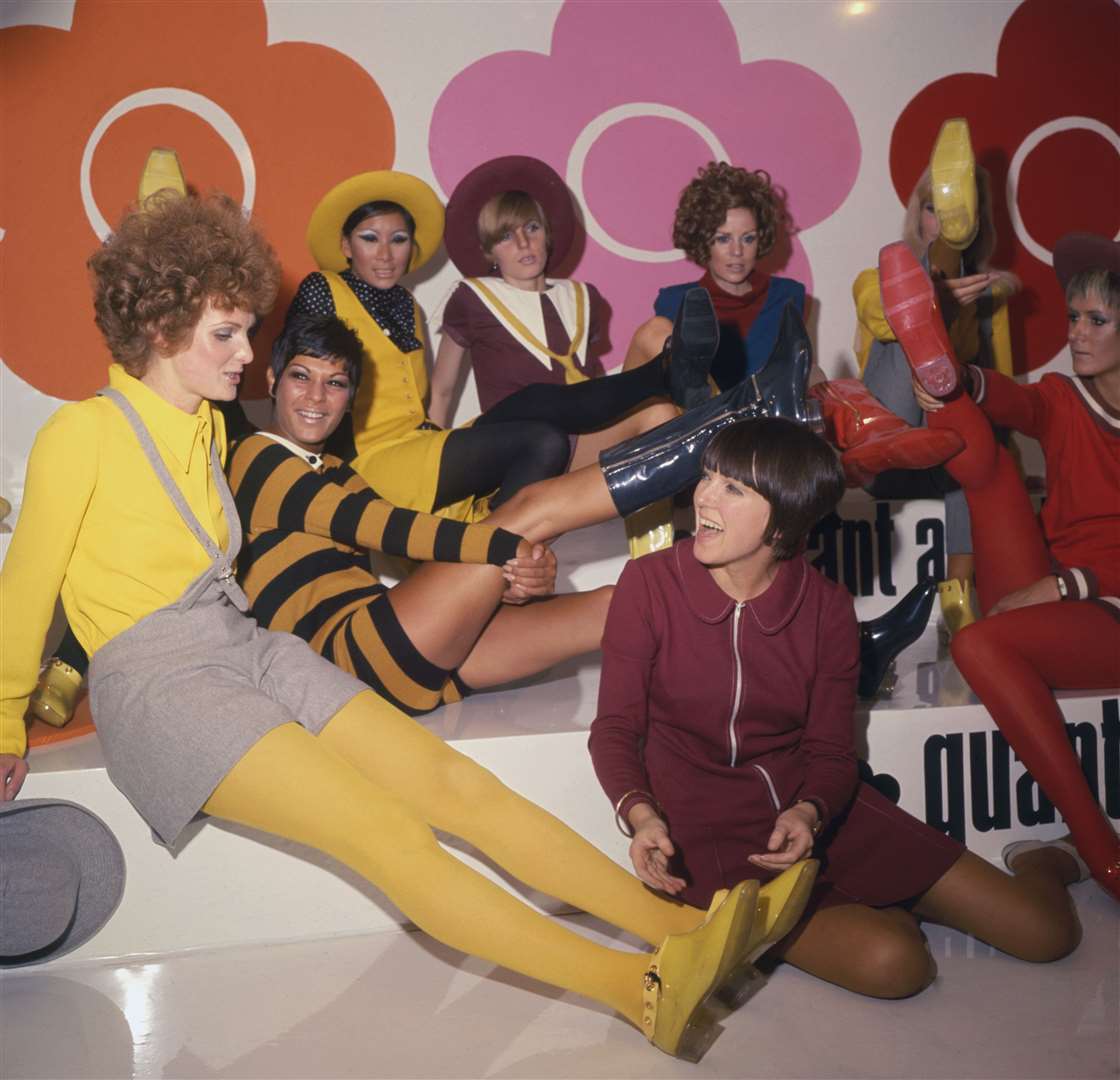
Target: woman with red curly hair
199	709
727	219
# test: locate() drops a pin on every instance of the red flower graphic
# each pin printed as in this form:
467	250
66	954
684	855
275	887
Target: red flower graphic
274	125
1048	120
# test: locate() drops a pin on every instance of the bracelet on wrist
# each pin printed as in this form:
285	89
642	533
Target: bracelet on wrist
624	826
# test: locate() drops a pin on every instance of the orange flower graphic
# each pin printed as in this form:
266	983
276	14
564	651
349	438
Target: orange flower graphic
273	125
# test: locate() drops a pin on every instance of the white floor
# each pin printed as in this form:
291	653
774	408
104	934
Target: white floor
400	1005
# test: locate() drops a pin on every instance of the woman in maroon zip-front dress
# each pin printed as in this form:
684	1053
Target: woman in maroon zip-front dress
724	737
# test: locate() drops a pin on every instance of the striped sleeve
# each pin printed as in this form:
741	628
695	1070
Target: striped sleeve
274	489
1080	582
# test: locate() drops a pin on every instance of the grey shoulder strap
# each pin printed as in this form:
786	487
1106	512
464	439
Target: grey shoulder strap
147	444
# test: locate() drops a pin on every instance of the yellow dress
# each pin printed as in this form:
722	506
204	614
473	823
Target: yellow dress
115	547
397	456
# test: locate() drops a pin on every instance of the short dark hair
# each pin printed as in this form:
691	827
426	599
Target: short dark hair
324	337
795	471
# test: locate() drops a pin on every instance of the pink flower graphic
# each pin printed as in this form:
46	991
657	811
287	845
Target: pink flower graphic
1045	126
627	136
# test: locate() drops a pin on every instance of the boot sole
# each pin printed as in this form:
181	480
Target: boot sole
910	307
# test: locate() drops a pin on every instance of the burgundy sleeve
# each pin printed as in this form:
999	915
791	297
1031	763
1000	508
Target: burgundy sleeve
457	316
828	743
1007	404
629	648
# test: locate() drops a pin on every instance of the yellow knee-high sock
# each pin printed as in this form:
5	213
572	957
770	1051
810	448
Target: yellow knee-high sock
455	794
291	785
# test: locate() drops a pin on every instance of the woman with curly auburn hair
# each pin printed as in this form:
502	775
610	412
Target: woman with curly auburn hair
207	250
199	709
727	219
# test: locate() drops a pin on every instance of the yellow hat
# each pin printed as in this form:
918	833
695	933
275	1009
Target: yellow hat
324	231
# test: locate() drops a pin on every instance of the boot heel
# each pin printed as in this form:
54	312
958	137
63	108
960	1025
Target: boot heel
739	987
882	639
700	1033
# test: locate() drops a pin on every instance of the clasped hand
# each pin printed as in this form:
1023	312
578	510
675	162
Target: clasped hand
531	574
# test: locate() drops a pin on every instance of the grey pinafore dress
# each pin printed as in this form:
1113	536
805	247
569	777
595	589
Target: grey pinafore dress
181	696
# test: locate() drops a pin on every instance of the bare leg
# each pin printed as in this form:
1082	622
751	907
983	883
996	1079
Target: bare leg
444	607
549	508
521	641
636	423
873	951
1029	914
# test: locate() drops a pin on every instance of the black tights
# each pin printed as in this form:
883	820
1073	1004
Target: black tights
524	438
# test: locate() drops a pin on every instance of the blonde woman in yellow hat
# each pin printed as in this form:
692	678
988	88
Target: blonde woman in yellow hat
366	234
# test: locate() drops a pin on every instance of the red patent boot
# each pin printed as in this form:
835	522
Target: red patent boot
871	439
910	305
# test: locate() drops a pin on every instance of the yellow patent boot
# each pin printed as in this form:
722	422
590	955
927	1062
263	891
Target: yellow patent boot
687	970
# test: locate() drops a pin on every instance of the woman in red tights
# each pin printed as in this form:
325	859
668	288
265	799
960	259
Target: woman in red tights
1049	585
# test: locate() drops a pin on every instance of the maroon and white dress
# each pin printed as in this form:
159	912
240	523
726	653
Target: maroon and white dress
517	338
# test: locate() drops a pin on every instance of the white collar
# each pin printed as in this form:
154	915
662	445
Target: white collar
314	460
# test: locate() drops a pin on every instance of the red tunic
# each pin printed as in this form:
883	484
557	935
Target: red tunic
730	713
1081	440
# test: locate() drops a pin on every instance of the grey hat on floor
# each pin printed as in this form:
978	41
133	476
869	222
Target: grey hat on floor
61	877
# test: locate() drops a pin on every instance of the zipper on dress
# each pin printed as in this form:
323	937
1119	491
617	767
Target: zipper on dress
738	680
770	786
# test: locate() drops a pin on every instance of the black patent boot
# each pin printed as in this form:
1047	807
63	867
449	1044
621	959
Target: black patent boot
686	357
667	459
780	383
882	639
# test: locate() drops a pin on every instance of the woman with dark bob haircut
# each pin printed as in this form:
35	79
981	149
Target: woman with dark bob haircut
724	738
198	708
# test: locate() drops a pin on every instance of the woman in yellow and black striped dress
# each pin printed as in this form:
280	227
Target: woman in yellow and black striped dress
310	522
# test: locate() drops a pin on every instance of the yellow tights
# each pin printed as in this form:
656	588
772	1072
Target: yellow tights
369	790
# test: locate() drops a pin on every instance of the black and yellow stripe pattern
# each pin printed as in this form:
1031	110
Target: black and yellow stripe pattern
305	564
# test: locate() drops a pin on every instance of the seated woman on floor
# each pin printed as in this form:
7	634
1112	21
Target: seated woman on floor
725	738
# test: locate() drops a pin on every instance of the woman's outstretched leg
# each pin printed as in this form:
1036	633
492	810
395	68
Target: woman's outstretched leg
501	457
1012	660
452	793
1009	548
292	784
521	641
581	407
1028	914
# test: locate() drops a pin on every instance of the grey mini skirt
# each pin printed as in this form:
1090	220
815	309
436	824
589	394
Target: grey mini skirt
181	696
